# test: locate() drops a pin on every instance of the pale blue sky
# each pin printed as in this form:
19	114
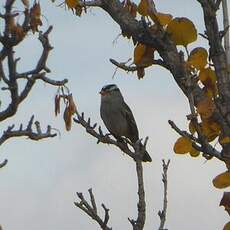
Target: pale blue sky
38	186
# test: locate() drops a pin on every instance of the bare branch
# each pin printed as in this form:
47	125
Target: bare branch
2	164
28	132
91	3
139	223
104	138
162	214
91	210
130	68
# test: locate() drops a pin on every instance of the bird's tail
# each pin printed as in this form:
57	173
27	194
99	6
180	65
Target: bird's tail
146	157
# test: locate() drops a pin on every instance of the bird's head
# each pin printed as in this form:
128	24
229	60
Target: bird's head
110	92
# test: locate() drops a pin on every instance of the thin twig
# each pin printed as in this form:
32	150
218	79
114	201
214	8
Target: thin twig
28	132
123	66
91	209
162	214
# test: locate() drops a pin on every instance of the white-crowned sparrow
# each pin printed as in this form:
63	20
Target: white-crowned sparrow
118	117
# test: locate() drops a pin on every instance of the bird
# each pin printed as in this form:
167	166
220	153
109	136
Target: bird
118	117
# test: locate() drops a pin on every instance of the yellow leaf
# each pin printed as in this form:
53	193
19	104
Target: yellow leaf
210	129
198	58
142	8
183	145
206	107
143	55
164	19
182	31
225	140
227	226
71	3
139	53
208	77
194	153
222	180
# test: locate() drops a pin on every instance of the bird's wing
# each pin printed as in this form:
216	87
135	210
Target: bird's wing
133	131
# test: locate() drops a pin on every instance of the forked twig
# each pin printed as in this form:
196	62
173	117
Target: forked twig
162	214
91	209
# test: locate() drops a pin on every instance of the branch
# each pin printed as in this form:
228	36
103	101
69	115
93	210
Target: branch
31	76
104	138
91	209
28	132
122	65
208	149
139	223
94	3
162	214
226	25
2	164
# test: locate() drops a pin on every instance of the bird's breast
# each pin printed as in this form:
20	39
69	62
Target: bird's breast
114	119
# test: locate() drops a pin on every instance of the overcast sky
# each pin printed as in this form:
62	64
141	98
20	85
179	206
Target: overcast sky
39	183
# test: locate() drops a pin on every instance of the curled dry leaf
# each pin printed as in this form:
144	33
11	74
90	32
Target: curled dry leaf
67	118
35	14
72	106
16	30
182	31
57	101
222	180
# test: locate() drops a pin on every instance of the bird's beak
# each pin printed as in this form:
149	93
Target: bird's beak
103	93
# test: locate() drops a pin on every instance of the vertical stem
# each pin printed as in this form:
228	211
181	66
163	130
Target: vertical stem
226	26
141	195
162	214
